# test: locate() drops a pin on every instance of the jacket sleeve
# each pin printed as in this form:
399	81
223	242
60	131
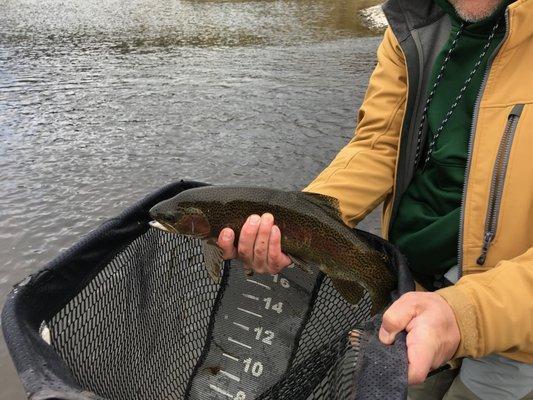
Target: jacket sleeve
362	173
494	309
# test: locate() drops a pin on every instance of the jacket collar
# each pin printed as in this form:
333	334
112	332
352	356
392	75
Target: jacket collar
405	16
520	23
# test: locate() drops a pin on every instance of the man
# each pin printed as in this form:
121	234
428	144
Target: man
444	140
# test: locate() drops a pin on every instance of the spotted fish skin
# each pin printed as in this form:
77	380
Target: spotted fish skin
311	227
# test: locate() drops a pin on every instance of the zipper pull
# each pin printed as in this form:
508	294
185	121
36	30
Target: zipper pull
516	111
485	249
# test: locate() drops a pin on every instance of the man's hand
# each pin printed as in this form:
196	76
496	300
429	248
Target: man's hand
259	245
432	332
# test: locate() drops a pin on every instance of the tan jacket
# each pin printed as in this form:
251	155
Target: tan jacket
493	302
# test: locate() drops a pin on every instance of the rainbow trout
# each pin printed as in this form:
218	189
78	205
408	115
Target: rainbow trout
312	233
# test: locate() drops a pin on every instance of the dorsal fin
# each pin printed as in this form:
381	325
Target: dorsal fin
327	203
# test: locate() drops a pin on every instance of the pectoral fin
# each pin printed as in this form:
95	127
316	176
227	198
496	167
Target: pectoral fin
351	291
213	258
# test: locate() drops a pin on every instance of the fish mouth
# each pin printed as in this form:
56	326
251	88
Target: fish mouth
162	226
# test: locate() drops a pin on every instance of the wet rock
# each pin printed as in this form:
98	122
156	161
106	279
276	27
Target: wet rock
374	17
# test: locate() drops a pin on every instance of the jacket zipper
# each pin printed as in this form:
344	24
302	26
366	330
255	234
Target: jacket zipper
498	178
471	143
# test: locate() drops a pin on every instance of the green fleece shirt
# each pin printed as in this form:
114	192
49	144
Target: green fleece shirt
426	227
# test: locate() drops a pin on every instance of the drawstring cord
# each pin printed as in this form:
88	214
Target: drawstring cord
459	96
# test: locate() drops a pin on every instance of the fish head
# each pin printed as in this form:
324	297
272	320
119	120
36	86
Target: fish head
182	219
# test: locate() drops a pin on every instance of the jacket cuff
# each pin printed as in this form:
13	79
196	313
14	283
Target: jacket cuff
464	308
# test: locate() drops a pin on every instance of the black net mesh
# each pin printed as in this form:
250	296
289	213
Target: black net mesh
143	320
322	344
138	328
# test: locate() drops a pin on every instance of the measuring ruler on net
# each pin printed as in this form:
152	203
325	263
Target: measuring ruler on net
254	333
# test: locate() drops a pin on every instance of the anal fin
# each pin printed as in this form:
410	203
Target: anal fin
353	292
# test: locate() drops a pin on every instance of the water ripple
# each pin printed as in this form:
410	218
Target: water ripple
102	102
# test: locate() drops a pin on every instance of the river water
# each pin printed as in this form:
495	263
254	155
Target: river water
103	101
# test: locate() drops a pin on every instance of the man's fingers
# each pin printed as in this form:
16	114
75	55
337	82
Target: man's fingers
397	317
247	239
261	243
432	331
420	355
276	259
225	242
